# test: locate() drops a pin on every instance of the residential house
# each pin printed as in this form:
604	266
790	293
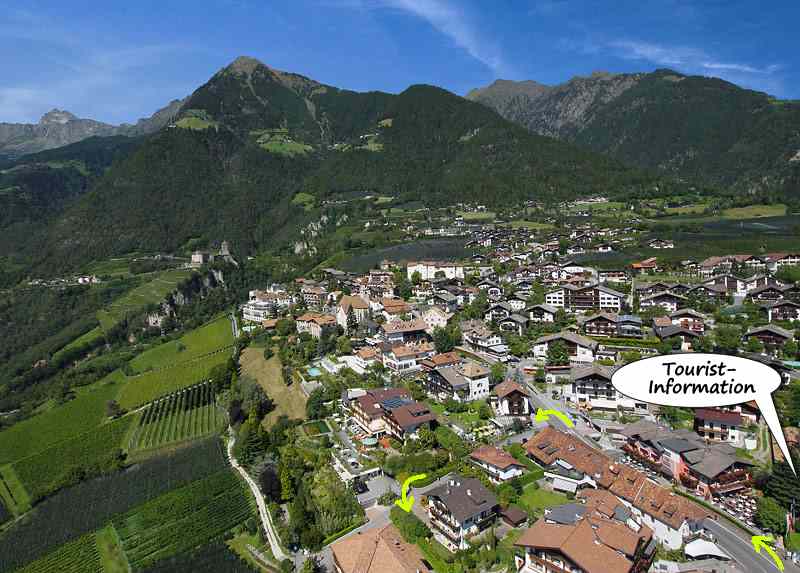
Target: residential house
512	399
613	276
646	266
706	468
580	348
771	336
390	411
689	319
313	296
515	323
315	324
667	300
541	313
403	421
463	382
429	270
782	310
498	464
351	310
718	425
367	356
590	545
394	309
443	359
672	518
459	509
478	337
404	331
378	550
434	317
661	244
405	358
591	388
600	324
766	293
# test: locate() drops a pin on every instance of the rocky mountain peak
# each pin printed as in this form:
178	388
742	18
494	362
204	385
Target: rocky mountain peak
57	117
245	65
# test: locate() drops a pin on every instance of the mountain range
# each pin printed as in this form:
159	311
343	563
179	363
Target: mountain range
699	128
57	128
249	140
231	160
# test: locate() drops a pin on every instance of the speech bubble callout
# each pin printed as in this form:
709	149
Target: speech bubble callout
698	380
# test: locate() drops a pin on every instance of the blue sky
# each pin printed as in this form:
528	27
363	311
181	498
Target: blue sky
118	61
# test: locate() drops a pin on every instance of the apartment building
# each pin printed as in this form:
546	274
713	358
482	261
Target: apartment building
585	298
498	464
459	509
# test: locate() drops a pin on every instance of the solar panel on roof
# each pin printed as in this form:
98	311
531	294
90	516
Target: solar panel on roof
396	402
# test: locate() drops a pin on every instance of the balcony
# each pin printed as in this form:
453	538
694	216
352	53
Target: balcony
455	538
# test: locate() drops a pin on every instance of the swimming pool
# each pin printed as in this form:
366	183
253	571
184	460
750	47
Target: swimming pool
313	371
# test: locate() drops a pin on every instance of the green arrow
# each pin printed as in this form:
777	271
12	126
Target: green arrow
544	415
408	500
764	542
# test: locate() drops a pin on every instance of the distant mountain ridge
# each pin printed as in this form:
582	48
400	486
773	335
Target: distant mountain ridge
700	128
251	139
58	128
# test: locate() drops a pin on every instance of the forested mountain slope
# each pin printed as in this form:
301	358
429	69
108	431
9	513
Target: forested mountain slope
700	128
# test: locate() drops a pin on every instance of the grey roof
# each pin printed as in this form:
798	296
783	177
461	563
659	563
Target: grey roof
593	369
452	376
544	307
713	463
771	328
567	514
464	497
687	311
569	336
677	445
622	513
630	318
673	330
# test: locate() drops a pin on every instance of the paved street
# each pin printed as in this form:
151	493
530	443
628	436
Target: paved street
736	543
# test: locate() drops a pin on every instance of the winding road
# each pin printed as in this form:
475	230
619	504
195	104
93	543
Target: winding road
263	512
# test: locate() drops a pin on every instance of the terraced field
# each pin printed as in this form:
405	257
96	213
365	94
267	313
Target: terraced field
80	415
95	451
142	389
182	416
79	556
152	292
182	519
201	341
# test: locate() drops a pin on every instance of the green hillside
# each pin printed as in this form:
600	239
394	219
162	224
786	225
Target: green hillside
226	181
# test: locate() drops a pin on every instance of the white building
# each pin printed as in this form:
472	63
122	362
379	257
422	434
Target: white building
428	270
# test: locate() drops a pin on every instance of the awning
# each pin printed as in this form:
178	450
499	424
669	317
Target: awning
702	548
564	485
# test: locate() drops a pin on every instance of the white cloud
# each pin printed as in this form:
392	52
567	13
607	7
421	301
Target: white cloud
688	58
450	20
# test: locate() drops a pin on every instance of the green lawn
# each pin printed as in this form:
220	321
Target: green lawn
196	123
239	545
316	428
535	500
112	556
753	211
793	541
476	215
144	388
533	225
467	419
80	415
12	492
208	338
